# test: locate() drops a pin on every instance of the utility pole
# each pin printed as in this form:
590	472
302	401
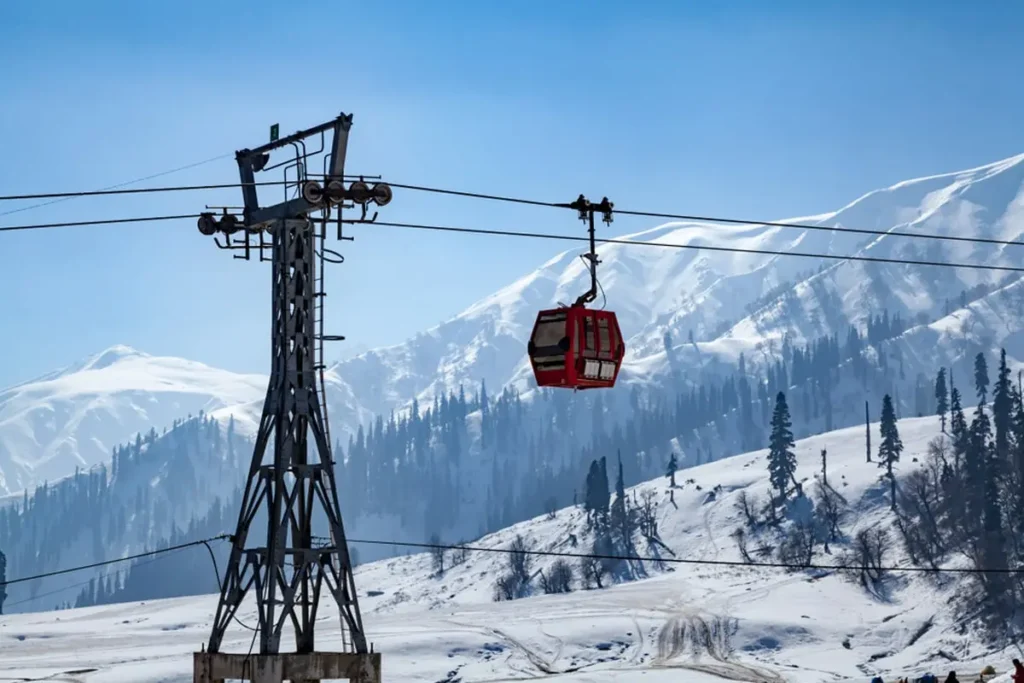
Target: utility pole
289	490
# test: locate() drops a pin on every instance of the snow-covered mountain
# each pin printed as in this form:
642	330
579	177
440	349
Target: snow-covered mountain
74	417
685	622
729	302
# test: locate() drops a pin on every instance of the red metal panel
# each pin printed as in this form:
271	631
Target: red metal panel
561	355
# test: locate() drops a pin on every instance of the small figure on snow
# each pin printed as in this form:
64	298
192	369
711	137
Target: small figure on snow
951	678
1018	671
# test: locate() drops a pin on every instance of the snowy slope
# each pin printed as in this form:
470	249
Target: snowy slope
74	417
751	624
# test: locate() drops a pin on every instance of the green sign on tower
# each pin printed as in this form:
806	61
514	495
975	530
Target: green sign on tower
274	130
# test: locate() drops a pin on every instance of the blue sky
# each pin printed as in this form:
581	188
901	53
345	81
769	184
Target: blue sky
742	109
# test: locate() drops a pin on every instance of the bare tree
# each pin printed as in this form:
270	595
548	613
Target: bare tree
830	507
558	578
516	583
506	588
459	554
797	546
748	506
866	561
592	570
771	512
920	525
740	536
519	560
966	329
648	514
437	552
940	449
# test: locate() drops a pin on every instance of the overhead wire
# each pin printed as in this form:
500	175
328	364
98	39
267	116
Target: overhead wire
690	561
118	560
139	190
719	219
160	554
824	228
76	585
478	195
702	247
119	185
105	221
524	201
566	238
509	551
220	585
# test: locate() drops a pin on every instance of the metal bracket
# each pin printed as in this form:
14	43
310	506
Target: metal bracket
586	210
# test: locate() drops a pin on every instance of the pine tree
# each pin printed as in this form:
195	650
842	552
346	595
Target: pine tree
673	465
602	496
589	488
1002	413
596	497
890	448
747	436
620	518
983	466
958	428
764	400
976	461
978	437
1016	466
824	467
867	430
941	398
981	377
3	579
485	414
781	458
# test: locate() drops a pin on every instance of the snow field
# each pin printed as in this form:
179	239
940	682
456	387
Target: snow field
691	622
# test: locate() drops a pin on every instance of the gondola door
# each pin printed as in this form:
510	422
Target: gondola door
600	349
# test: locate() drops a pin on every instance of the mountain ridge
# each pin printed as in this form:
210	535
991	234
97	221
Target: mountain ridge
73	417
686	313
713	288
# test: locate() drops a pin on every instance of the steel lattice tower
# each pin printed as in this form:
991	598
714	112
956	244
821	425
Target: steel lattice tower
292	470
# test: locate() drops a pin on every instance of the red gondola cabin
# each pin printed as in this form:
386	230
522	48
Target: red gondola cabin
576	348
